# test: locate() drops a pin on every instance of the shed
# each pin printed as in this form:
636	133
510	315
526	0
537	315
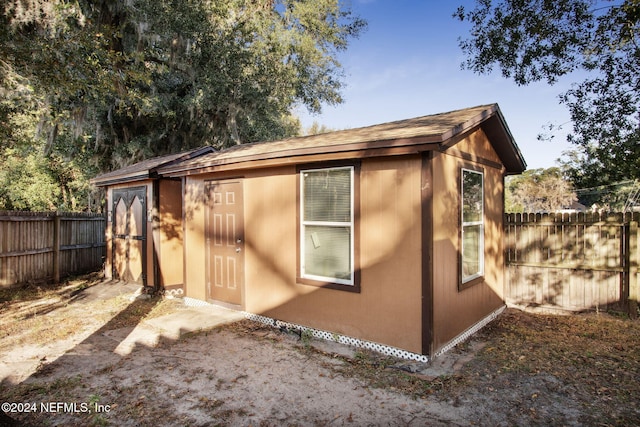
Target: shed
389	235
144	222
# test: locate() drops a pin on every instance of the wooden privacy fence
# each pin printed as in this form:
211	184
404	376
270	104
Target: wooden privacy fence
36	246
577	261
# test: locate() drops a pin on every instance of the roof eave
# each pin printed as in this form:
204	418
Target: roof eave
488	117
306	154
120	179
503	142
149	173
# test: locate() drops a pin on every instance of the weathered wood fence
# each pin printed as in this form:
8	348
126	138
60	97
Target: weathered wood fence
578	261
37	246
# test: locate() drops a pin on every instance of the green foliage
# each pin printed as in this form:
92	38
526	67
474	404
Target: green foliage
528	40
532	40
583	167
26	183
538	190
611	197
317	129
33	182
108	83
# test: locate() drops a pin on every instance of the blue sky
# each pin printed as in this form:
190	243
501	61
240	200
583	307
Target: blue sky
407	64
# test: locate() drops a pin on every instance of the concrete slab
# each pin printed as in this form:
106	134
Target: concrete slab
140	335
105	290
150	333
193	319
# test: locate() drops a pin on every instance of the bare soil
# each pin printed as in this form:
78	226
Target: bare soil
60	350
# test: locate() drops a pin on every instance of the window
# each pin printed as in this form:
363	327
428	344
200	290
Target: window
327	225
472	225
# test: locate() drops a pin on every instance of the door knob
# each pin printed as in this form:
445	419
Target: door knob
238	250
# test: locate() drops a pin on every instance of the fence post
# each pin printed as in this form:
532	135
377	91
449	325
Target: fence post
634	286
56	247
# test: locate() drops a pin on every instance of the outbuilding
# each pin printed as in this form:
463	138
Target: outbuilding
388	236
144	223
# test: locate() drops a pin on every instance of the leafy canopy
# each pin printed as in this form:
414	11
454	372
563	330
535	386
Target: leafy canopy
543	40
539	190
112	82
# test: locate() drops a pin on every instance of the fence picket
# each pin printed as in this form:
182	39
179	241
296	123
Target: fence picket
634	283
575	261
40	246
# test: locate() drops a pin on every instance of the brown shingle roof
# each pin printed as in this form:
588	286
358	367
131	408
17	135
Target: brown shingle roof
146	168
410	135
418	132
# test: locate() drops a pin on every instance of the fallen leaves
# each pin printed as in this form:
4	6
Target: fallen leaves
595	357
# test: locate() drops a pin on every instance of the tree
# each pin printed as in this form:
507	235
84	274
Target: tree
317	129
539	190
584	171
116	81
26	183
533	40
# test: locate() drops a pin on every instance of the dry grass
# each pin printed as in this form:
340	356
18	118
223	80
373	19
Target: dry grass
527	368
533	369
375	369
39	314
595	357
378	371
27	313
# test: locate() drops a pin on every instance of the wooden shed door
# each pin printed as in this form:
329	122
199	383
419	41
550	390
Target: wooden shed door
224	233
129	234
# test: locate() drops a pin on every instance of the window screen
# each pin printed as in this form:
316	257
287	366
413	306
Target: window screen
327	225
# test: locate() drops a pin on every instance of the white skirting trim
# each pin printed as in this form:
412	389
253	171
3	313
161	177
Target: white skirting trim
342	339
355	342
472	330
192	302
323	335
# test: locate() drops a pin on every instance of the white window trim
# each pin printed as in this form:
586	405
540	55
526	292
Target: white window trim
471	223
350	224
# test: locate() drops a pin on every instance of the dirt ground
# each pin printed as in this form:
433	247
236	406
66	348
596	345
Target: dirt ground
63	362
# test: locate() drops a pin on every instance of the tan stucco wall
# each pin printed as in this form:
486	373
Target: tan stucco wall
388	308
169	234
456	310
194	252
